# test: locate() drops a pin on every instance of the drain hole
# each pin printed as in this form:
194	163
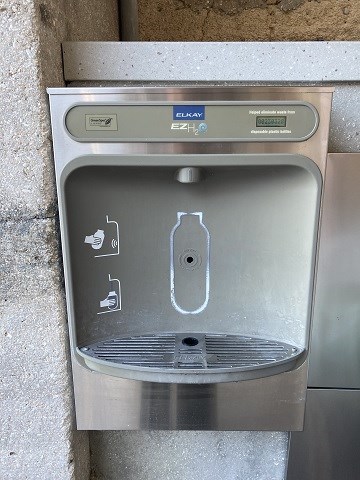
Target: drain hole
190	259
190	341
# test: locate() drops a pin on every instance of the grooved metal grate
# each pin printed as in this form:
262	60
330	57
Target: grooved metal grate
194	351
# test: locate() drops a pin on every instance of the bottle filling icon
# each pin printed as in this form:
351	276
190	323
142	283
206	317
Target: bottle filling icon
112	302
189	264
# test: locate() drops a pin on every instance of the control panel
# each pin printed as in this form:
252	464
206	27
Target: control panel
210	122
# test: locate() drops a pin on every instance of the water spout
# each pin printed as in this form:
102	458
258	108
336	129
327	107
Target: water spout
189	175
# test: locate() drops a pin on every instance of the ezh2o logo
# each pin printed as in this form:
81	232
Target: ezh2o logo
189	112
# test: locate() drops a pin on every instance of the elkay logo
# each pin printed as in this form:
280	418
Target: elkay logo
189	112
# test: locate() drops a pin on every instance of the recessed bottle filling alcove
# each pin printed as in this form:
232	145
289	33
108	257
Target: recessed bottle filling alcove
201	276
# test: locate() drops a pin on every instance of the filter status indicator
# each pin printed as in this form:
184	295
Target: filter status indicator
275	121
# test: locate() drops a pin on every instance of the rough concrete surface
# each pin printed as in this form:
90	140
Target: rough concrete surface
249	20
344	133
30	61
37	439
188	455
222	62
35	392
23	128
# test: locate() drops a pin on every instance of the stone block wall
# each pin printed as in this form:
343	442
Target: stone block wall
37	436
248	20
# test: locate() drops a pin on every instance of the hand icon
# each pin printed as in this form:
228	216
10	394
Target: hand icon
96	240
111	301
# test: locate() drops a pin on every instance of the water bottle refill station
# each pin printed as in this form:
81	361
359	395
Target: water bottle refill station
189	221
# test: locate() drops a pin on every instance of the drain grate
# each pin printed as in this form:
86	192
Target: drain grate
193	352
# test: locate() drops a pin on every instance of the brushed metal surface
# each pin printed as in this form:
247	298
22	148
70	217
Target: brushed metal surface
225	122
260	208
66	149
107	402
335	345
274	403
329	446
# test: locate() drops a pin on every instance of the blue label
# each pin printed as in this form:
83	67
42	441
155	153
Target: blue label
189	112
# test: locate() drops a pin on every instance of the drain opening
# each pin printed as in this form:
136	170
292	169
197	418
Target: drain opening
190	259
190	341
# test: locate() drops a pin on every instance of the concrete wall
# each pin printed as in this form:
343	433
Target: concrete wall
37	436
244	20
188	455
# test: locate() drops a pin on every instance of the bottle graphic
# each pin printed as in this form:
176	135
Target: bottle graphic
189	264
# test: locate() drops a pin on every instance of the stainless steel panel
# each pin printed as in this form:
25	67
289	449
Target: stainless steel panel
107	402
220	122
274	403
335	345
329	446
66	149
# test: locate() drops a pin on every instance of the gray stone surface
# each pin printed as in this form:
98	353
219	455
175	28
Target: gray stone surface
24	193
36	440
213	61
37	436
188	455
30	60
345	119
